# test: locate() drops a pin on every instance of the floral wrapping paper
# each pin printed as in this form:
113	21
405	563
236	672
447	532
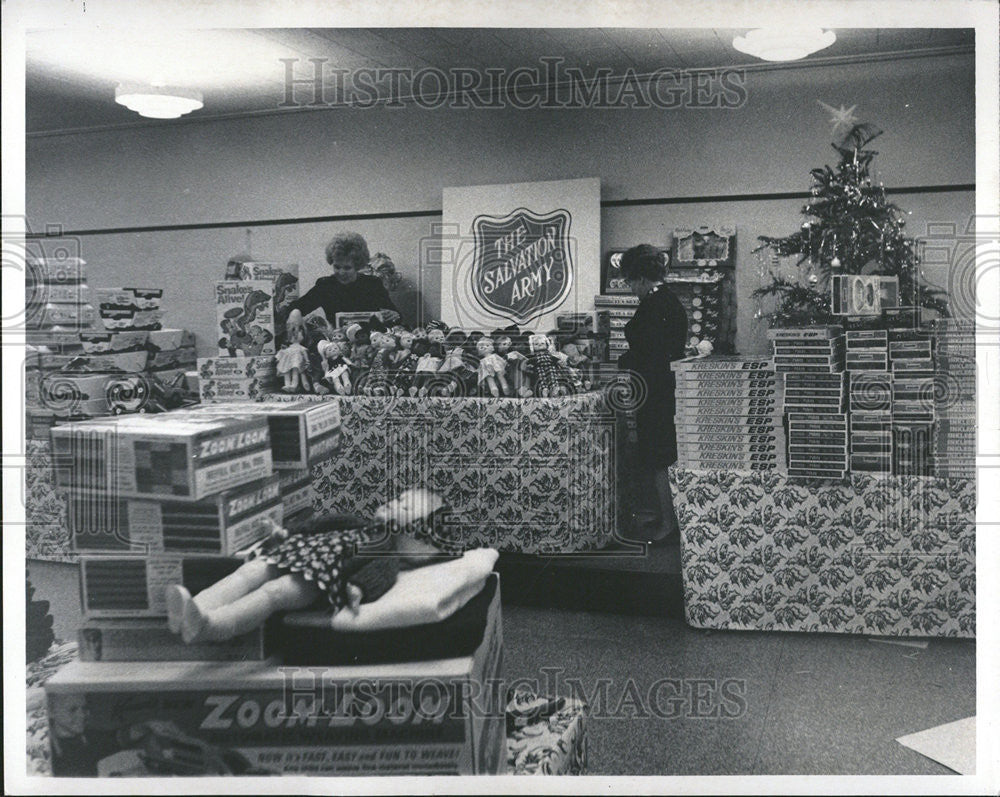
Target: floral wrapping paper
525	475
873	554
46	532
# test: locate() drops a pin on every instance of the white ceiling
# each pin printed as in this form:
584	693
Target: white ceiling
70	79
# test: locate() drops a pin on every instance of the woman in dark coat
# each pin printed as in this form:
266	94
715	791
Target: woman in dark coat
656	335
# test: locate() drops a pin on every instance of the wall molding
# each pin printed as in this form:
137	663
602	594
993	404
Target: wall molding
415	214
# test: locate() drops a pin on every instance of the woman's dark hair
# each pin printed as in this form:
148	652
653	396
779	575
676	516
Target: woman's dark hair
350	246
646	261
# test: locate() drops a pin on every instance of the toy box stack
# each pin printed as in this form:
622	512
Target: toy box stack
154	500
728	413
954	442
811	364
303	434
911	364
95	363
252	305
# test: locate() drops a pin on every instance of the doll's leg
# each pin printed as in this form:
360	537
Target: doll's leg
246	578
248	612
494	387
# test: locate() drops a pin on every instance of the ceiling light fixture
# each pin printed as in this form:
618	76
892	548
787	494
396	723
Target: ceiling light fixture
156	101
784	44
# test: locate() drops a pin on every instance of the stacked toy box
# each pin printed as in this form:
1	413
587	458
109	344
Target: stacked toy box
728	413
955	398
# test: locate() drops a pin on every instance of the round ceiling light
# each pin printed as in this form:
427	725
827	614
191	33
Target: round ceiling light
158	102
784	44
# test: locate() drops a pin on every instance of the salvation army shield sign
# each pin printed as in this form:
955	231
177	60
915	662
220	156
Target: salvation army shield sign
522	263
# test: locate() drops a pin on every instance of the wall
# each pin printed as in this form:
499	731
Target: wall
344	161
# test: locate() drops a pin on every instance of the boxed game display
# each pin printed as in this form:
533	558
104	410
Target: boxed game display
259	367
129	585
114	342
245	314
131	318
56	270
73	315
303	433
160	456
149	639
165	339
124	298
223	524
127	361
225	389
438	717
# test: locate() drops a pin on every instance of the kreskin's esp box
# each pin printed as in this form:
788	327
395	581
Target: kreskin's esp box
303	433
221	524
161	455
211	718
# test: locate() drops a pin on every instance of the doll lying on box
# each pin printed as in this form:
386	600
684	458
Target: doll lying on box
350	566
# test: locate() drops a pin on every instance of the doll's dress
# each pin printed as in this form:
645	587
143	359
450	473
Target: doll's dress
294	355
545	369
491	365
323	557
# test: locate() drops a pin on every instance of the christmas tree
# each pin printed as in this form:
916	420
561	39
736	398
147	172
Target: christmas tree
850	229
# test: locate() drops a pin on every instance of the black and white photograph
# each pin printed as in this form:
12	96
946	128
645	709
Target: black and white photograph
441	397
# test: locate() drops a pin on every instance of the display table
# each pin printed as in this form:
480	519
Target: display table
520	475
871	554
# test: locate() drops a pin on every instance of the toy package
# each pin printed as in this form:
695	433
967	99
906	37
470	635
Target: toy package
245	313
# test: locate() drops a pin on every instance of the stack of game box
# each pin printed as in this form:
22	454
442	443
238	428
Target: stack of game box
303	434
154	500
620	309
955	398
811	363
867	363
728	413
236	378
130	308
911	364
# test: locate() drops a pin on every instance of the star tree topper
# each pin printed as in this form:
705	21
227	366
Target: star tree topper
840	117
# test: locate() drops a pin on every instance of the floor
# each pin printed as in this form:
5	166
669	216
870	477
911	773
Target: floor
800	703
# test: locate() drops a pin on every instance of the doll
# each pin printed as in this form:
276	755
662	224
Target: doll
293	359
548	371
404	364
293	571
425	373
462	373
337	367
521	376
378	381
492	369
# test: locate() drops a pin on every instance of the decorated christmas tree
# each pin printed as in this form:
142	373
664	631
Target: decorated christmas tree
850	229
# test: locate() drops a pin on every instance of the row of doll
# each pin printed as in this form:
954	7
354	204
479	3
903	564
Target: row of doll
374	360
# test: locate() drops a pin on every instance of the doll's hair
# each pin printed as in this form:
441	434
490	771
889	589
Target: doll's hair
420	347
456	337
350	246
644	261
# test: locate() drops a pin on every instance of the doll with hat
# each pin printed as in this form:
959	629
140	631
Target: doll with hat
345	565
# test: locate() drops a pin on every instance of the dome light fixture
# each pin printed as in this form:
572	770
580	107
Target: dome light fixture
157	101
784	44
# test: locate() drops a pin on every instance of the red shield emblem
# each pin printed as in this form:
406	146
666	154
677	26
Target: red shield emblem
522	265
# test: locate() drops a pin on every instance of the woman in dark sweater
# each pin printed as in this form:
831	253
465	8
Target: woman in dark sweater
656	335
346	291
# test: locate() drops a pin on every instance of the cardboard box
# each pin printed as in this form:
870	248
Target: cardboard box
161	456
303	433
237	367
221	524
75	315
149	639
245	314
433	717
114	342
129	585
130	362
297	491
230	390
131	318
58	269
165	339
183	357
